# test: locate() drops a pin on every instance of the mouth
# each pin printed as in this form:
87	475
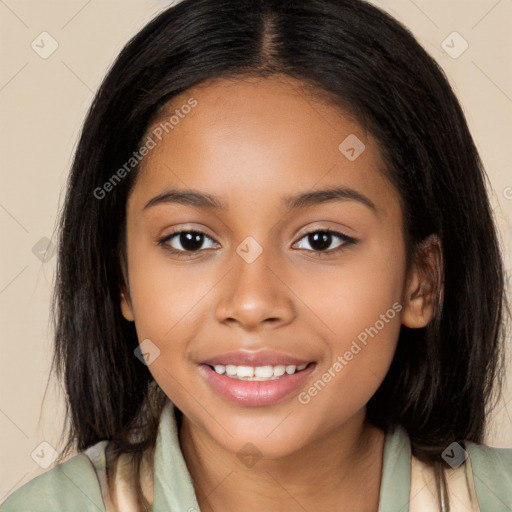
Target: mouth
269	379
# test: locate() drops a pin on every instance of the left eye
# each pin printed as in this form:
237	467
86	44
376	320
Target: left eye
321	241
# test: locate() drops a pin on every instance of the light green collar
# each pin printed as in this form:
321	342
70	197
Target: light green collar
173	489
395	485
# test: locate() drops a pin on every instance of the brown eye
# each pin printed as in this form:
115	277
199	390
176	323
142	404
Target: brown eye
322	240
186	241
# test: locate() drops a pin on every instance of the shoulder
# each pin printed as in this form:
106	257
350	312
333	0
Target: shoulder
70	485
483	481
492	473
485	478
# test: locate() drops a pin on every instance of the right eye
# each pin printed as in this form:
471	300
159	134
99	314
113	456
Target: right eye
183	242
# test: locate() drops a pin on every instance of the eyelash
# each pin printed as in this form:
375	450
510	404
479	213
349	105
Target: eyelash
190	254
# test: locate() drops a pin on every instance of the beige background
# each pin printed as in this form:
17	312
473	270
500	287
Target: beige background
42	106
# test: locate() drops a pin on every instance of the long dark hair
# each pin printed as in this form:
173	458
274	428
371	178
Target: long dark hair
441	381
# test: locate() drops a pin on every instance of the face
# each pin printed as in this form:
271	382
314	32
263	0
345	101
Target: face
296	257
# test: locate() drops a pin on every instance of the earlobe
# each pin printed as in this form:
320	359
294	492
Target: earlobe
126	307
423	292
418	310
125	299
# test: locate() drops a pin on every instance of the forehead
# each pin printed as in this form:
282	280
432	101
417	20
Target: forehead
258	135
259	109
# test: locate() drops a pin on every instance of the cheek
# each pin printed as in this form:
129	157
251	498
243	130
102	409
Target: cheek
349	297
165	294
361	348
359	305
169	302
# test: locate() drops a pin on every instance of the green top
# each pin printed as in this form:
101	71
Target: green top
74	484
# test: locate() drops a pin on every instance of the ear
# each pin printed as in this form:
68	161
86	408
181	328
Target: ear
125	299
424	286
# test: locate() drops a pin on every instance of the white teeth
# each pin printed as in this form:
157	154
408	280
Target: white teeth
264	371
244	371
231	370
257	373
220	368
279	370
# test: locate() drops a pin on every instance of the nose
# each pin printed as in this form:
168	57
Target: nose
254	295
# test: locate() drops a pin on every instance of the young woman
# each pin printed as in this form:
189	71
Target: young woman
279	282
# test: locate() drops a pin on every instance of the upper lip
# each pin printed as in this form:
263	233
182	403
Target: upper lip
260	358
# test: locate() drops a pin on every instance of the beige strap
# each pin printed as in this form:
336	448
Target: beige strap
123	491
96	454
460	485
121	495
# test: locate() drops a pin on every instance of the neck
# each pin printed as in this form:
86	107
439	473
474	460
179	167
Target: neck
340	471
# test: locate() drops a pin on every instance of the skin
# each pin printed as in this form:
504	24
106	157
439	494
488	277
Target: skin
251	141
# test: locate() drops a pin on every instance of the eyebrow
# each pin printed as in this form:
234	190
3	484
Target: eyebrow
293	202
327	195
188	198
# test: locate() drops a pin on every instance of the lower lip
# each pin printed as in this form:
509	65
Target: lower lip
255	393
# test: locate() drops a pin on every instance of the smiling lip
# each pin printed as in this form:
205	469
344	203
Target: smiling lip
255	393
